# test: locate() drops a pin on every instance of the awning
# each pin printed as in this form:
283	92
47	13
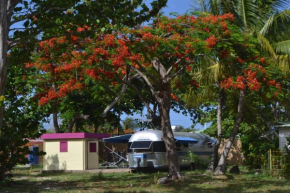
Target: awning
180	139
118	139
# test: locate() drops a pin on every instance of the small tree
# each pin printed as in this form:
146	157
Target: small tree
22	120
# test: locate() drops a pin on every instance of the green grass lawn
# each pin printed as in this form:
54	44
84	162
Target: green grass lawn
31	180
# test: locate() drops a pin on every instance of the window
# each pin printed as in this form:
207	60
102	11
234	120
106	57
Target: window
63	146
93	147
141	145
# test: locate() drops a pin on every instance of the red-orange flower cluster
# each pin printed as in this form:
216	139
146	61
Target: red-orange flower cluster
211	41
174	97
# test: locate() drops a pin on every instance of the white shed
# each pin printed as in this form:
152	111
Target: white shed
284	132
71	151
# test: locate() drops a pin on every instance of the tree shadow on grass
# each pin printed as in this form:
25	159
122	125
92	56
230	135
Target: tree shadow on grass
48	185
209	184
126	182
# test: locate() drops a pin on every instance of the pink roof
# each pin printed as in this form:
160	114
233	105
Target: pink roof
74	135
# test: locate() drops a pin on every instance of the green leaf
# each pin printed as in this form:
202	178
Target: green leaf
16	9
26	24
58	21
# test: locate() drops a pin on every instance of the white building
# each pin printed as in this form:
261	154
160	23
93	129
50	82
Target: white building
284	132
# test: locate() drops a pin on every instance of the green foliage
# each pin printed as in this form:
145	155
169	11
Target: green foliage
255	146
189	129
22	117
129	123
197	161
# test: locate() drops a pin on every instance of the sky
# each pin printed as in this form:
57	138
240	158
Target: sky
181	7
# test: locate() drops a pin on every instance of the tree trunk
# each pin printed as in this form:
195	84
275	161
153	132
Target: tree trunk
73	121
164	110
221	168
4	26
55	123
6	10
214	156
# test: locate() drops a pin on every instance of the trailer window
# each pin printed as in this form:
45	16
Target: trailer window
141	145
159	146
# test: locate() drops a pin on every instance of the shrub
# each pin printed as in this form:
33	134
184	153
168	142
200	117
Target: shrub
198	162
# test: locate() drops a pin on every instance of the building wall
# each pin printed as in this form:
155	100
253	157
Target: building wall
71	160
283	133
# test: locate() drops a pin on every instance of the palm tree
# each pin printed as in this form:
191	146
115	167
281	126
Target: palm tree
261	19
208	75
268	20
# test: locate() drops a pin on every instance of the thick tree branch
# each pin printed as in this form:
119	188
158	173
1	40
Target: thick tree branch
119	96
55	123
73	120
112	104
160	68
140	96
174	75
143	70
154	93
171	67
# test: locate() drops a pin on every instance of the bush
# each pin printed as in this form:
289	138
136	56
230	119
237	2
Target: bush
11	153
255	149
198	162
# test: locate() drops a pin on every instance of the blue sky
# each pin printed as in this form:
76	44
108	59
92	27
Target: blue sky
179	6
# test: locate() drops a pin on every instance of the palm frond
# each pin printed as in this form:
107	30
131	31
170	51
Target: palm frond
283	62
193	99
209	72
283	15
282	47
267	25
265	44
247	10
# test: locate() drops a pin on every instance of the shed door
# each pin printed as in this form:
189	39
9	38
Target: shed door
92	152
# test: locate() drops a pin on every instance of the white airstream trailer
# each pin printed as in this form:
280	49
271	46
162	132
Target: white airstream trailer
146	149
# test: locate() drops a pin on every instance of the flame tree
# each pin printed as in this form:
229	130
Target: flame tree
163	57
